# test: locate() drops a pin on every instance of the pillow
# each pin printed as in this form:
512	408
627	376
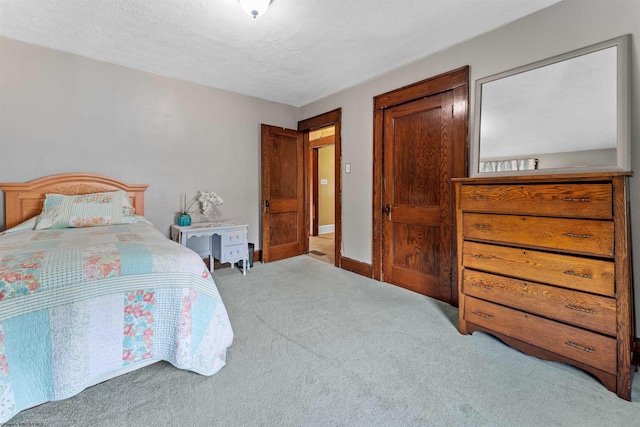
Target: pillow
29	224
86	210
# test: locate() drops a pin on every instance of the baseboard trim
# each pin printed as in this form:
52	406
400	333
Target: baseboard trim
358	267
324	229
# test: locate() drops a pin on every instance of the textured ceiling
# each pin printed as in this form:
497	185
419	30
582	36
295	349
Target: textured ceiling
298	52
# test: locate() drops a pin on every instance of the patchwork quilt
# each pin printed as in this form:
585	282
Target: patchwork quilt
78	304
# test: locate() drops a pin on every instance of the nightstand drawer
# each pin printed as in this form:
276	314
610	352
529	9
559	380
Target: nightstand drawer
233	237
234	253
558	200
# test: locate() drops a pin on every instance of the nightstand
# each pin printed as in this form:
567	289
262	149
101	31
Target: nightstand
227	241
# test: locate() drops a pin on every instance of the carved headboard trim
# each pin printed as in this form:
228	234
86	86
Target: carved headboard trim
24	200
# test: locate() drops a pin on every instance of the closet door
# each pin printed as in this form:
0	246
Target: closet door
418	194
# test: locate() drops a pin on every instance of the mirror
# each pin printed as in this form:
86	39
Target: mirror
566	114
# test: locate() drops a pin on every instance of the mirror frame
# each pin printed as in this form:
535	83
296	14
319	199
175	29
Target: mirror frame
623	131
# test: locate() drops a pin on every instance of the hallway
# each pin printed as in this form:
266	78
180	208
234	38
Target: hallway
321	247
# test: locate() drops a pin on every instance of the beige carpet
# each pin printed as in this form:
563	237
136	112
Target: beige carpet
319	346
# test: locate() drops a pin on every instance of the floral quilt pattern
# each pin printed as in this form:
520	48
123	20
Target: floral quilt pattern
183	344
80	303
138	326
101	262
94	198
89	221
129	237
20	274
7	401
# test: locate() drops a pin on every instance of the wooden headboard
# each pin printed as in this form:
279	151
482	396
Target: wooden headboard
24	200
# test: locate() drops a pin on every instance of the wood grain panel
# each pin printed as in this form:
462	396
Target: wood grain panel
558	200
282	169
417	157
415	247
584	346
582	309
583	274
281	231
581	236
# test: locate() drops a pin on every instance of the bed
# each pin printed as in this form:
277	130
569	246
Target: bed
85	297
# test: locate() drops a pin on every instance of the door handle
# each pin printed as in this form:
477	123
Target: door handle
266	206
387	210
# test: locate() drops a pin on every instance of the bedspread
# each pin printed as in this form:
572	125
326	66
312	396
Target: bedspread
80	303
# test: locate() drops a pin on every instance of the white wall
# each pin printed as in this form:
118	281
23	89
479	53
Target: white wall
64	113
563	27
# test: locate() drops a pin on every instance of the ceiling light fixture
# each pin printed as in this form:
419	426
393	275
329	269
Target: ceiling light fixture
255	8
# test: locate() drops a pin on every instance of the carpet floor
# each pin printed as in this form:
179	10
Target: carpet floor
319	346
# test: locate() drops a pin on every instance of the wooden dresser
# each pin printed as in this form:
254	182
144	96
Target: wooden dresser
544	265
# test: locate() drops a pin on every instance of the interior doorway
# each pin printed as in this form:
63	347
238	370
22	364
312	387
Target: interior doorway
322	194
286	197
323	185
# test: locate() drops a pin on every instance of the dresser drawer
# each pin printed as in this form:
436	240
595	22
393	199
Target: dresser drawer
585	310
583	346
594	237
233	237
565	200
583	274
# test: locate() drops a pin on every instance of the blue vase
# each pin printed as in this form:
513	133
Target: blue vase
184	220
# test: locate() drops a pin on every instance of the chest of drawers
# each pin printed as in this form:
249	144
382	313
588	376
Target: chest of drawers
544	265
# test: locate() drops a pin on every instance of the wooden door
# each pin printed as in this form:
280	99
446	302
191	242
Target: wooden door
417	195
283	219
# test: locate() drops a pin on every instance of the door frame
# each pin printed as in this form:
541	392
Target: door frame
331	118
456	80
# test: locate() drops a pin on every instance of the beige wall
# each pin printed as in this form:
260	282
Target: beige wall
63	113
566	26
326	192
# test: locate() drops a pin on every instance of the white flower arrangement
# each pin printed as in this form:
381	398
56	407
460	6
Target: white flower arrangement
207	200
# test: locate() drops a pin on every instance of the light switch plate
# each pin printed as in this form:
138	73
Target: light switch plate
347	168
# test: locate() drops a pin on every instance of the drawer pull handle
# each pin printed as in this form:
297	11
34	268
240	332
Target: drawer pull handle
577	199
486	316
482	226
581	236
484	258
478	197
583	310
573	273
480	285
579	347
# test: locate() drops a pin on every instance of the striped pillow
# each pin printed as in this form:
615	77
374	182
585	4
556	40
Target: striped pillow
86	210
